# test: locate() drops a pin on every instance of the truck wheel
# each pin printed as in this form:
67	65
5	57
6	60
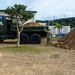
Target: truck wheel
1	40
24	39
35	39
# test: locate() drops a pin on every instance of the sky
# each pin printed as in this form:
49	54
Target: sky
46	9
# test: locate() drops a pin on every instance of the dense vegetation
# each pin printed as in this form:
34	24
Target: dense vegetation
67	21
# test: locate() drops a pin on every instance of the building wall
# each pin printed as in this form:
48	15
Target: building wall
30	20
4	14
44	24
64	30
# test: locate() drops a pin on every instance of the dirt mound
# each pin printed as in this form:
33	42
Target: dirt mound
67	41
32	24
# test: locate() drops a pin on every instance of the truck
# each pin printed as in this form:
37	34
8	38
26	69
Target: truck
30	34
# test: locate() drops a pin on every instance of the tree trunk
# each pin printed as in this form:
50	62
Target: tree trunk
18	39
58	30
18	35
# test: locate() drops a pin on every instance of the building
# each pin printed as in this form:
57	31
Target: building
3	13
64	30
30	20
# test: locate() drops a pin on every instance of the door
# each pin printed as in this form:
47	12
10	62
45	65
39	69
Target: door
2	27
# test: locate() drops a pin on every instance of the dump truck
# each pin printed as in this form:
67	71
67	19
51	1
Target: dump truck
30	34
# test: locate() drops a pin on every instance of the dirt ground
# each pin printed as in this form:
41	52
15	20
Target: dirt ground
51	61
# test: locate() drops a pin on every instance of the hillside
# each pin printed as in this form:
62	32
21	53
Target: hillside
68	21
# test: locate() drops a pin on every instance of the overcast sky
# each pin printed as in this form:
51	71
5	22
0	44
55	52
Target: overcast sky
46	9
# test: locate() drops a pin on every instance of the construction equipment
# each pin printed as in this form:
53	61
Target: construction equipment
30	34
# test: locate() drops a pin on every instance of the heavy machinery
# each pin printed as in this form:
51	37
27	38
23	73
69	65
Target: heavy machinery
30	34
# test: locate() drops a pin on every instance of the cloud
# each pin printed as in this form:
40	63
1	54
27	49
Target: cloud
46	9
59	8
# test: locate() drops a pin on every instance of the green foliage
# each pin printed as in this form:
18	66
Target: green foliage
59	26
66	21
19	14
27	15
19	11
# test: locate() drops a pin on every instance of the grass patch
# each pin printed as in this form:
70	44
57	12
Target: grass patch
22	48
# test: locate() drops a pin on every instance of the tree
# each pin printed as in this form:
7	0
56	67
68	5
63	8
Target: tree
19	14
59	26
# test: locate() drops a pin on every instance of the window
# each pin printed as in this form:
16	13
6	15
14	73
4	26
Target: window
1	23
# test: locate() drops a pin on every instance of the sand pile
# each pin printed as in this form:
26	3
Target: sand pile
32	24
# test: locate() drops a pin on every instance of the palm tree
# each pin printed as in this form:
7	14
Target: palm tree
59	26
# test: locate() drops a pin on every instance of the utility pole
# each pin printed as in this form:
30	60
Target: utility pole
53	19
48	22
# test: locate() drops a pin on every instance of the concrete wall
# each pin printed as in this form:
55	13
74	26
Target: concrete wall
65	29
43	24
